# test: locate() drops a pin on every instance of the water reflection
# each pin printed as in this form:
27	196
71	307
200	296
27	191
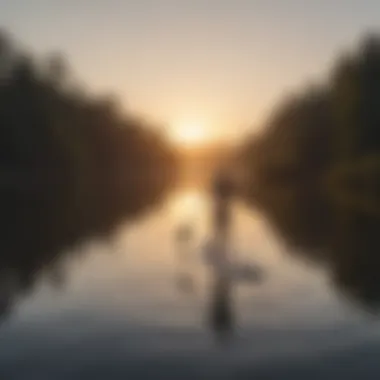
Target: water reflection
224	270
184	237
219	310
221	313
145	297
345	241
38	234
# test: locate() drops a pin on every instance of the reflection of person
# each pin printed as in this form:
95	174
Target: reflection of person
221	312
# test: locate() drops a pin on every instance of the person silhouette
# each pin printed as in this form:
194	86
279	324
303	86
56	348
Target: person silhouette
222	194
221	310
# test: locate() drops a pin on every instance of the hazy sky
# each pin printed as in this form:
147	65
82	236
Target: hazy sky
223	63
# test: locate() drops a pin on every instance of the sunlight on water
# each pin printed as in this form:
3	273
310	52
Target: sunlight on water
188	206
125	290
135	272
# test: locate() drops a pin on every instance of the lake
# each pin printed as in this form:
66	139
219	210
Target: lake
130	305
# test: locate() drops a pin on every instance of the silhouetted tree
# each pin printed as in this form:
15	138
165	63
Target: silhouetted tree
326	132
314	171
71	164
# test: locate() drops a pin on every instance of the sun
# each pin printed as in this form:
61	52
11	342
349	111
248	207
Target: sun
190	134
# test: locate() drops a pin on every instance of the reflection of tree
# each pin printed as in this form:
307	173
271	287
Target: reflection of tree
301	214
72	165
346	242
315	171
355	257
36	237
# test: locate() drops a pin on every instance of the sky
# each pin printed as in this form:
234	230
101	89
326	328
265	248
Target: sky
219	64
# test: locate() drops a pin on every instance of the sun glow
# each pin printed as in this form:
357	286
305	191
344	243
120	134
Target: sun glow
190	134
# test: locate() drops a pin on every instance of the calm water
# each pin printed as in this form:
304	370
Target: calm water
113	308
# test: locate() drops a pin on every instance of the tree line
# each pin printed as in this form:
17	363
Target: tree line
73	164
327	135
314	172
59	140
